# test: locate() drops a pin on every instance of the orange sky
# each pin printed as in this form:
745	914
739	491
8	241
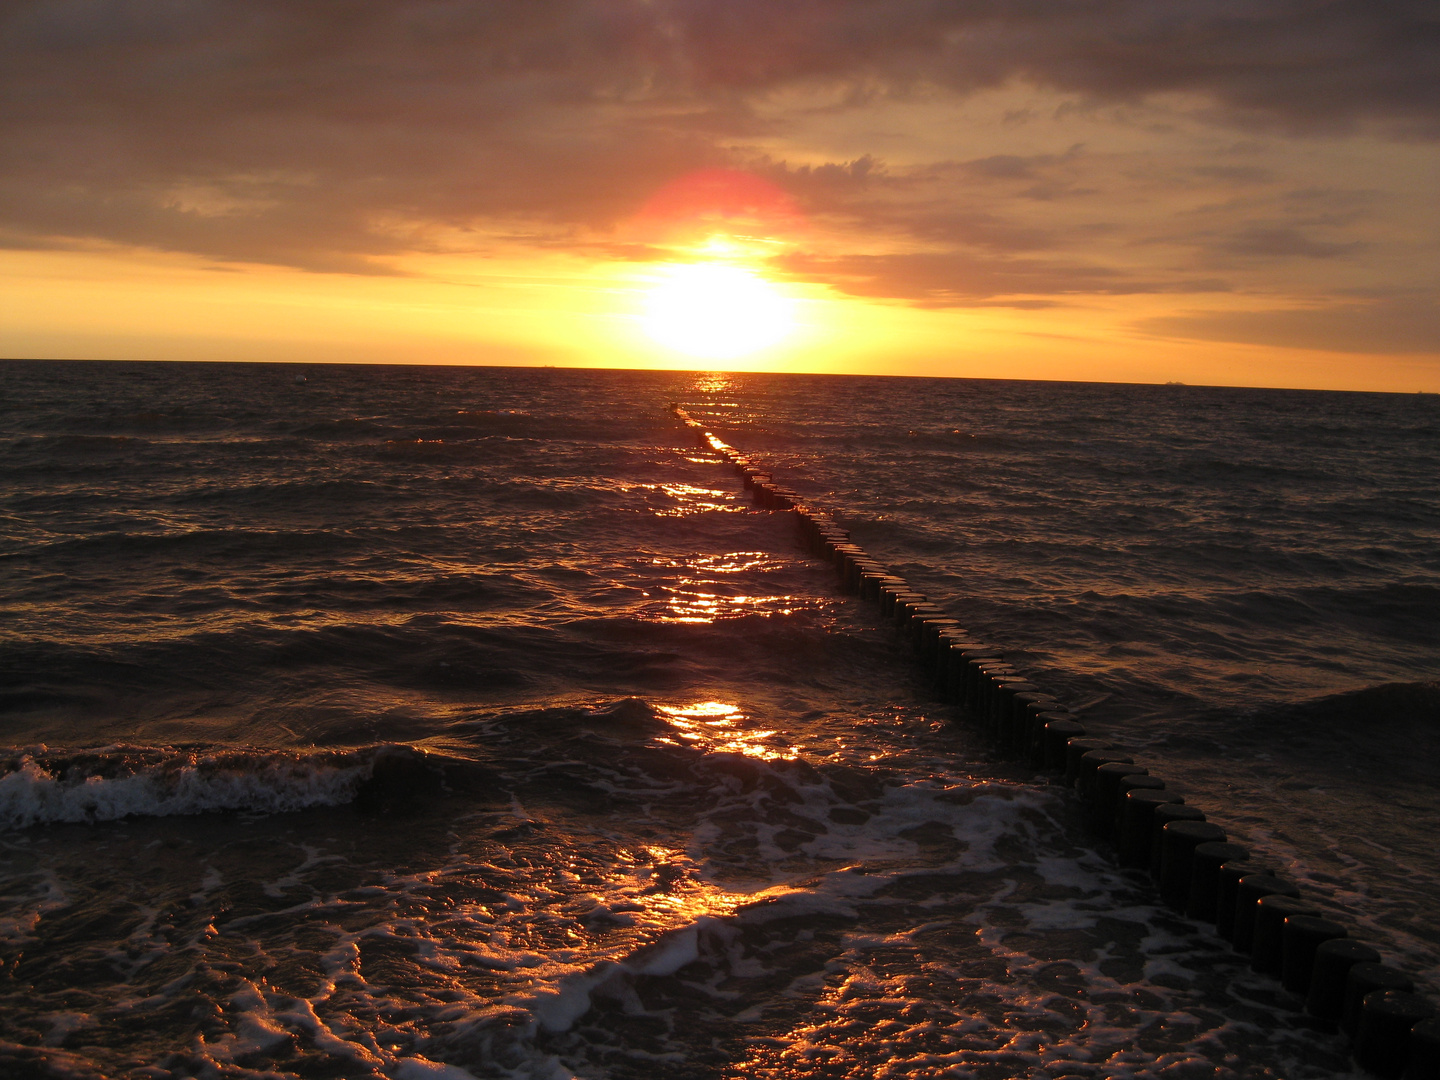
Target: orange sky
1133	191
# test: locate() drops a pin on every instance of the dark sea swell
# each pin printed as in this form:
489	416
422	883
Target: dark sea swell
1242	585
406	720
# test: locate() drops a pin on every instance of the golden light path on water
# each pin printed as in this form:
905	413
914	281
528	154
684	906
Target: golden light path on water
694	500
716	725
697	606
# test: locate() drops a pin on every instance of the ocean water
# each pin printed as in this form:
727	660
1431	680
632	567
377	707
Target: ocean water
420	722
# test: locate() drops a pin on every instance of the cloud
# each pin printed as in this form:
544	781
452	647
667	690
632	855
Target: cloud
337	135
960	279
1396	325
1263	231
1236	174
1044	176
1283	242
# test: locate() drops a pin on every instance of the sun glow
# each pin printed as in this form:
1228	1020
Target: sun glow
717	310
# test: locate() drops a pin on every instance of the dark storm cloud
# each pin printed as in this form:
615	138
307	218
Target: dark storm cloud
331	134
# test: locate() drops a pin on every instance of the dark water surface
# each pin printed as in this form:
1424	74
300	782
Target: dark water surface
422	722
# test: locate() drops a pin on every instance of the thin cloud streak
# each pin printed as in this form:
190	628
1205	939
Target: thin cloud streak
1398	326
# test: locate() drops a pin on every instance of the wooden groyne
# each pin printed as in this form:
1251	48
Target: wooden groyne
1342	982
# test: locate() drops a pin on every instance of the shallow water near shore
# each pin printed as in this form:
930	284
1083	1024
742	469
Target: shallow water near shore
423	722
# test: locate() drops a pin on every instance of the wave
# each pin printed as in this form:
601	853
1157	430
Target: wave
45	787
201	543
1386	708
69	443
342	429
1375	739
173	420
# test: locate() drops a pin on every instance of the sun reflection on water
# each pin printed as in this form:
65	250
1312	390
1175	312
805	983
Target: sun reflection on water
716	726
704	596
732	562
714	382
690	499
698	606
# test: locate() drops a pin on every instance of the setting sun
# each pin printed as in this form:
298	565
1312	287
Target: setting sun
717	311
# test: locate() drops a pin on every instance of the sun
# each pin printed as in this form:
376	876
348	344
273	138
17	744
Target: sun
717	310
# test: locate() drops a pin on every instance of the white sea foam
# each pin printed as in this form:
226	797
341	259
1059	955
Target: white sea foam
977	815
29	897
31	794
420	1068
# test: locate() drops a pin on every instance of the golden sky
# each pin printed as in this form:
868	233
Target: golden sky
1205	191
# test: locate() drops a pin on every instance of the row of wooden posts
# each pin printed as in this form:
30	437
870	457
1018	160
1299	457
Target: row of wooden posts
1341	982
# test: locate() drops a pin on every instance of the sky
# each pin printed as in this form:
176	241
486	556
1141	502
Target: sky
1237	192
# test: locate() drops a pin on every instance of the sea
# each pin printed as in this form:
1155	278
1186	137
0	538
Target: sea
437	723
